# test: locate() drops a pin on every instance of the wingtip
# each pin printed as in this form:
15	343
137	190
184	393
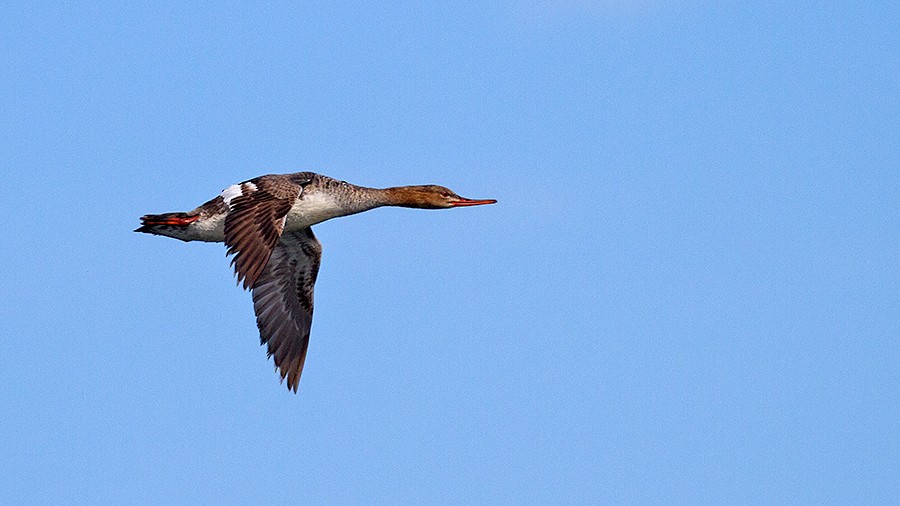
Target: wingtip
293	382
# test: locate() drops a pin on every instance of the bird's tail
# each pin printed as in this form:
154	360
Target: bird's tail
160	224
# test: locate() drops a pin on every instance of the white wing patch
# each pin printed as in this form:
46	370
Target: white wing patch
231	192
236	190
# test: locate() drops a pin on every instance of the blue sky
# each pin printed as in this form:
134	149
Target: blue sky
688	292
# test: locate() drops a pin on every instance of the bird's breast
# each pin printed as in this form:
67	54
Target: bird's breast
312	208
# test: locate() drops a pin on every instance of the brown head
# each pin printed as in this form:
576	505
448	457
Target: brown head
430	197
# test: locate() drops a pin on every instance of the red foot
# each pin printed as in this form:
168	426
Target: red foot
180	221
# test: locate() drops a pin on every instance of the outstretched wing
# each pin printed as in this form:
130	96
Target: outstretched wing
283	301
255	221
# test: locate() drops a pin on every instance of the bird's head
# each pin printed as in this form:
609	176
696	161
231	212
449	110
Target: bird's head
432	197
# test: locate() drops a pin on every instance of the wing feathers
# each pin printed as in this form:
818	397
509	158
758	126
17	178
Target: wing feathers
280	268
283	301
255	221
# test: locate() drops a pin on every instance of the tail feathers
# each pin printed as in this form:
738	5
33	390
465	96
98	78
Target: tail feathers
154	223
177	219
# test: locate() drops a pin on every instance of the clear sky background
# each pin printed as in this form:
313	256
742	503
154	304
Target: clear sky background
687	293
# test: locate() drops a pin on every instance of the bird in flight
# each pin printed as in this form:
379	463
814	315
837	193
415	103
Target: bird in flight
265	224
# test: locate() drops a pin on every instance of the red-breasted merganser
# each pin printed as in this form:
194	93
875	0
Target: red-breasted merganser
265	223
